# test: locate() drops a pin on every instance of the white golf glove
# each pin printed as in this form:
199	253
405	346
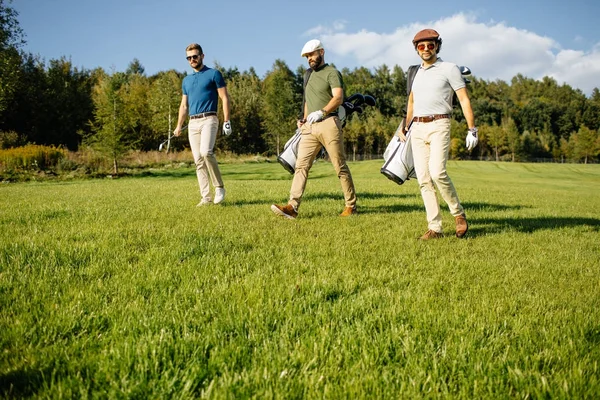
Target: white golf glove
227	128
472	139
315	116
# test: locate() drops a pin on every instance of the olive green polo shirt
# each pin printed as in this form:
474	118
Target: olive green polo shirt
318	89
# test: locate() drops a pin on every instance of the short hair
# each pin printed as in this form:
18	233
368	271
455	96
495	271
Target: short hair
194	46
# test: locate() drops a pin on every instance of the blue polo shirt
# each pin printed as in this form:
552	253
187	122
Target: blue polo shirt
201	90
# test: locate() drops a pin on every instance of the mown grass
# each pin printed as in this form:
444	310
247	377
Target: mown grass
124	289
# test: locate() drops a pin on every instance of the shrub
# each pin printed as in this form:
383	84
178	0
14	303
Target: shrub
30	158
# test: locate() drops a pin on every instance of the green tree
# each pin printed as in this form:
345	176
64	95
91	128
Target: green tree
246	105
495	138
66	105
591	112
137	115
11	39
135	67
112	134
513	138
585	144
280	110
164	99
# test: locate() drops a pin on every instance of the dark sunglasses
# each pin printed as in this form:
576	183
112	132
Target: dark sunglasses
430	46
194	57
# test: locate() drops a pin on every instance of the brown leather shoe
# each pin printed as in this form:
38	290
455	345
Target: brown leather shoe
431	235
348	211
287	211
461	225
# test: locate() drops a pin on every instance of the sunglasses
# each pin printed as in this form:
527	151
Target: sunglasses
430	46
194	57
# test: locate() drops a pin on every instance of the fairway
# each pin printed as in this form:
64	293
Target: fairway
123	288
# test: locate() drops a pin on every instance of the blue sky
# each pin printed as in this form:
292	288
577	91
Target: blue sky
496	39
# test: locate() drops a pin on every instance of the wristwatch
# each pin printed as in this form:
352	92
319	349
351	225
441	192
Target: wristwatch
324	112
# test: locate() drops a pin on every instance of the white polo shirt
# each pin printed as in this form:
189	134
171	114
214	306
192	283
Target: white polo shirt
433	88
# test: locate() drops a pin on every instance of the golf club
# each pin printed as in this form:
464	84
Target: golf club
160	146
370	100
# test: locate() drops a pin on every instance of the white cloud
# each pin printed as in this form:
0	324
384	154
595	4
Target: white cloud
492	50
321	30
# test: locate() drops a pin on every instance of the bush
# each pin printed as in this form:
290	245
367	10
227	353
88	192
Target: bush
30	158
10	139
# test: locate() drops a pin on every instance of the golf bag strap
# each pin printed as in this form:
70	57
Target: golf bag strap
410	77
305	82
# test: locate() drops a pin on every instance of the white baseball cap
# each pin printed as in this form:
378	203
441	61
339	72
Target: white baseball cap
311	46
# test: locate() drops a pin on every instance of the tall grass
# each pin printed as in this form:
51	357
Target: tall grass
123	288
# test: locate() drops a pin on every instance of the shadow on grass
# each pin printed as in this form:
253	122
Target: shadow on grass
486	226
21	383
490	207
162	173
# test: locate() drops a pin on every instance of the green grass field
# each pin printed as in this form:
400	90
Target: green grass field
122	288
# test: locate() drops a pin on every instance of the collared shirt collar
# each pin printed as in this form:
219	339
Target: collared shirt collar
204	68
321	67
435	64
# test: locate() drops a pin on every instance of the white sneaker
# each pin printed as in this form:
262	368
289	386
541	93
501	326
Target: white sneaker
204	202
219	195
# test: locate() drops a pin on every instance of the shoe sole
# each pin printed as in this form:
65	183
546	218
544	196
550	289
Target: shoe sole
281	213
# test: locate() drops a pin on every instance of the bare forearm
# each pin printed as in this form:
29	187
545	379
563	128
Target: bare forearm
183	112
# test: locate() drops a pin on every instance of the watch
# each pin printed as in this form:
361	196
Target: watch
323	111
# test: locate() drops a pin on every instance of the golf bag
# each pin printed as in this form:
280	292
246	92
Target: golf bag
352	104
399	165
288	156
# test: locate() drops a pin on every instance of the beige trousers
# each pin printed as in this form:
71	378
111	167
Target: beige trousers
430	146
326	133
202	133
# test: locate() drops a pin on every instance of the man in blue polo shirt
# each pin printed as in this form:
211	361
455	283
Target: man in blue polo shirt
201	92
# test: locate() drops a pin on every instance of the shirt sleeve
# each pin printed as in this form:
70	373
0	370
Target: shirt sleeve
335	79
183	89
219	81
455	78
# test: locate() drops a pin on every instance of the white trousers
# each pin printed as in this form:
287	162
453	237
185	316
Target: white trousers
202	133
431	145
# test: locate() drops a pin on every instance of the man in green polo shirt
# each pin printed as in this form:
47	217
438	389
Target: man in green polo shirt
320	126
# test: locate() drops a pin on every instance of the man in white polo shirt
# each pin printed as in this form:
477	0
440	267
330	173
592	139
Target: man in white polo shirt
429	108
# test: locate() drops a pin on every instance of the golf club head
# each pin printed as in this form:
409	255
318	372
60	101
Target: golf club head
370	100
464	70
356	99
348	106
160	147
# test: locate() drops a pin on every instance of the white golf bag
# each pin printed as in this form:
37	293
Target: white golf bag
288	156
399	165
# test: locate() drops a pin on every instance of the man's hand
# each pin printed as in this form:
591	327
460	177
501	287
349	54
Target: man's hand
227	128
472	138
401	131
315	116
300	122
177	131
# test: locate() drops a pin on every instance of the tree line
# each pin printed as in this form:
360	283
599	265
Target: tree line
58	104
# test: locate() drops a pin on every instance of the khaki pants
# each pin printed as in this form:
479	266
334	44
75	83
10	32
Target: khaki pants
326	133
430	146
202	133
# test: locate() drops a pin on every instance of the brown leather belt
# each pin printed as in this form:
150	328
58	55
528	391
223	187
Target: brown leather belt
203	115
431	118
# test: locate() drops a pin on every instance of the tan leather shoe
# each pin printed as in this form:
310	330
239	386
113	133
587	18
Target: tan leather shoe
348	211
287	211
461	225
431	235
